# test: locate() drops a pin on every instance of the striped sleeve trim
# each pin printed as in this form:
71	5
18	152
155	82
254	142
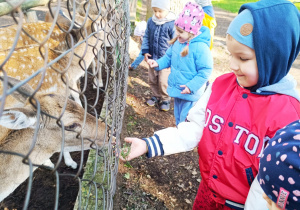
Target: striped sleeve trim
154	145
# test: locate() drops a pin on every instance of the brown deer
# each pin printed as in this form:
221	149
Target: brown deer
23	122
28	58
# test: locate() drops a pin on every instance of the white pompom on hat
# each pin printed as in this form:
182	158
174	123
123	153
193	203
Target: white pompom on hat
204	3
161	4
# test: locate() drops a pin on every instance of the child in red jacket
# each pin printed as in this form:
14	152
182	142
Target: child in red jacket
240	111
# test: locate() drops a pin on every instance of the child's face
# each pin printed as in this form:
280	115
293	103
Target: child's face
182	35
159	13
270	204
242	62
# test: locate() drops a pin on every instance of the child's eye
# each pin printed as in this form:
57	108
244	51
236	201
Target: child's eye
243	59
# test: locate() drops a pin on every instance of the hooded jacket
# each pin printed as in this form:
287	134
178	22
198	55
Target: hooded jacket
193	70
275	49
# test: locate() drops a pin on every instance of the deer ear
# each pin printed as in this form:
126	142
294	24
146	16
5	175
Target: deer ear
63	19
17	119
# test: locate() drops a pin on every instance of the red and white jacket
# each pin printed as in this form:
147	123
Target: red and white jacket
230	125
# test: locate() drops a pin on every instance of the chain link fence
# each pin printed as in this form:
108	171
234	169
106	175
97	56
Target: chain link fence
63	83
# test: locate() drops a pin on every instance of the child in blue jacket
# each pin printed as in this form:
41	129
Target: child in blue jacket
190	60
160	30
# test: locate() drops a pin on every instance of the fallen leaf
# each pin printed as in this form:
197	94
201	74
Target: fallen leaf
194	172
127	176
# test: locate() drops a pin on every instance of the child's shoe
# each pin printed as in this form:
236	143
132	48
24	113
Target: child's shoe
165	106
152	101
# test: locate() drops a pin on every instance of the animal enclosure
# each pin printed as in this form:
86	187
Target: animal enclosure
63	83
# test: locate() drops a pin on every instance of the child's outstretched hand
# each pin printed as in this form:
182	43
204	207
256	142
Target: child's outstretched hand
186	90
146	56
152	63
138	147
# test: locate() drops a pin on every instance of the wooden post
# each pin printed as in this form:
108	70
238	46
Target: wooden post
31	16
6	8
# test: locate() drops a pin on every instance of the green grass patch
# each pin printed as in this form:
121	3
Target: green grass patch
297	4
138	10
139	3
234	5
92	193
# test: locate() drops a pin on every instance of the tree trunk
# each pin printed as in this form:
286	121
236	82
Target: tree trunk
177	6
149	10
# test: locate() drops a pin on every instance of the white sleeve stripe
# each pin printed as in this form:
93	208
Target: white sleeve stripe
156	146
151	150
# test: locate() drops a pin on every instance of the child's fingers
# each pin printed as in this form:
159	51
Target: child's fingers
129	139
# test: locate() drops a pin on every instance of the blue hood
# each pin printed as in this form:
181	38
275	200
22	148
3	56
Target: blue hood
203	37
287	86
276	35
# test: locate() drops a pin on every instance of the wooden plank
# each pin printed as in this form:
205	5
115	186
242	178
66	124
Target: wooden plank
6	8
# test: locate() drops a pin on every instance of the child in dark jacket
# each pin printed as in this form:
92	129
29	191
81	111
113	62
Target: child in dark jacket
190	60
160	30
240	111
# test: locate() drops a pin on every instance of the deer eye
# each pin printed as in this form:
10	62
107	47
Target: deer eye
72	127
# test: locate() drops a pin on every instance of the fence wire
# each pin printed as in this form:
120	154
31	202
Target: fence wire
63	83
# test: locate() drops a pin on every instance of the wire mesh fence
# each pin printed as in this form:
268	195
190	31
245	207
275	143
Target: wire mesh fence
63	82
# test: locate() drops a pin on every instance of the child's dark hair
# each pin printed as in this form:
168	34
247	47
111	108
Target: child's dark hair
185	50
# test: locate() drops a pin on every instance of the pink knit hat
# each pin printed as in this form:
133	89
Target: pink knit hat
190	19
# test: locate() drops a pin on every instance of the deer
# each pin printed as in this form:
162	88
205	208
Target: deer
20	143
28	58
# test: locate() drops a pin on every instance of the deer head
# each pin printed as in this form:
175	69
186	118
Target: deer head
54	112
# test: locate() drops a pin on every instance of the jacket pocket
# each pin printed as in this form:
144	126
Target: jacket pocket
244	167
249	174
